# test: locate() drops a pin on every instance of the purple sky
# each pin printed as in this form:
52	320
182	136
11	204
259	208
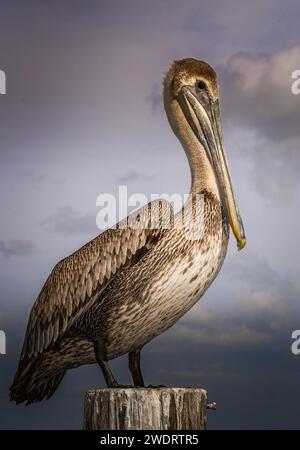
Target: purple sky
83	114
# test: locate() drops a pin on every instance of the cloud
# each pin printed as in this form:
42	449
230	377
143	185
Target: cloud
264	306
155	98
67	220
16	247
264	310
253	319
256	99
256	95
250	268
276	171
217	373
32	175
235	335
132	176
257	92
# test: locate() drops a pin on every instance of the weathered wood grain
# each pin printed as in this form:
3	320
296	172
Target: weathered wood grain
145	409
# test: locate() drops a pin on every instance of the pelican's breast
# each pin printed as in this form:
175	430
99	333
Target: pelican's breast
167	283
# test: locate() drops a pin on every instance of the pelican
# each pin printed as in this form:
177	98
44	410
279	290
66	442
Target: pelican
131	283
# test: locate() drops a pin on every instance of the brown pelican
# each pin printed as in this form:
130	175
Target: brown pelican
131	283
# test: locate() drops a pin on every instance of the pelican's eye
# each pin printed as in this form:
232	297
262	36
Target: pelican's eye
200	85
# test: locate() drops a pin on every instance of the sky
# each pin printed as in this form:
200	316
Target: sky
83	114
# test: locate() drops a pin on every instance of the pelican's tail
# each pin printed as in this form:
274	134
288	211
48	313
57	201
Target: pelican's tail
31	385
39	377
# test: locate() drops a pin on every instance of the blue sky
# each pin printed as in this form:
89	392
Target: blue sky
83	113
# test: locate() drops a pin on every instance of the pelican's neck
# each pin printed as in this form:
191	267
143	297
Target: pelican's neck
202	173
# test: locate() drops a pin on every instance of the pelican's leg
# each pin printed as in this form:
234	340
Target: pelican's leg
135	368
106	370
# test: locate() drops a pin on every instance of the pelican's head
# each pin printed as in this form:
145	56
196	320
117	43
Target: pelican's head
191	94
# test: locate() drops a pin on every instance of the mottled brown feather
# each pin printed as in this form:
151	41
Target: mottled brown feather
76	281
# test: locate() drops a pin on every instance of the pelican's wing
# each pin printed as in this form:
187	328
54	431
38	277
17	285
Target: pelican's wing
76	281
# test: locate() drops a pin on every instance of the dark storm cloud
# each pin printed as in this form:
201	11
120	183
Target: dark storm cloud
67	220
16	247
256	373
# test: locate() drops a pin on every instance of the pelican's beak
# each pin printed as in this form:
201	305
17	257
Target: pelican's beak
203	115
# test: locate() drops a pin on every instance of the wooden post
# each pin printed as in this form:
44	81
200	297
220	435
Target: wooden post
145	409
